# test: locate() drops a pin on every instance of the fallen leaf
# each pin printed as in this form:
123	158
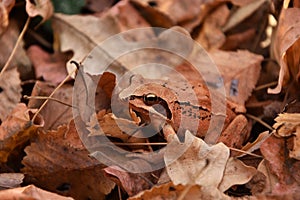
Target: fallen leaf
242	13
90	31
132	183
250	147
284	169
59	162
284	47
52	68
17	129
240	71
43	8
63	113
211	36
30	193
10	92
10	180
238	126
6	6
198	164
236	173
288	124
173	192
98	6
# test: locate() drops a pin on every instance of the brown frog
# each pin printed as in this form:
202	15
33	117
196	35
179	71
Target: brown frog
185	106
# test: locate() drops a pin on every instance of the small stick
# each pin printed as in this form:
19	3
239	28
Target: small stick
245	152
260	121
15	47
45	97
267	85
54	91
140	144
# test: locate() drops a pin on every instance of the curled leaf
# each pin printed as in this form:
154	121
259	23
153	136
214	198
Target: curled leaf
42	8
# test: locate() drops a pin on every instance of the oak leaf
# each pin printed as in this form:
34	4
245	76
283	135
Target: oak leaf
285	47
58	161
43	8
17	129
10	180
30	192
10	93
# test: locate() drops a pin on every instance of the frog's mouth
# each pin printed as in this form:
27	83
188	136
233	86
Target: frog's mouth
159	110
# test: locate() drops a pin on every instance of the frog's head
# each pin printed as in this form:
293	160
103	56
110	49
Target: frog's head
148	97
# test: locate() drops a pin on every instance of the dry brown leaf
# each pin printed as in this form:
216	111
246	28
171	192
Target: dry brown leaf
30	193
5	8
284	170
17	129
242	13
63	113
132	183
59	162
170	191
236	133
20	60
82	33
240	71
10	180
250	147
98	6
51	68
10	92
174	12
211	36
200	164
288	124
42	8
236	173
285	45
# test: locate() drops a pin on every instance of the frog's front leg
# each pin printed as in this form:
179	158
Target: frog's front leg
236	132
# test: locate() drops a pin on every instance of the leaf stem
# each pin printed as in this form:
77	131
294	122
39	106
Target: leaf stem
45	97
15	47
260	121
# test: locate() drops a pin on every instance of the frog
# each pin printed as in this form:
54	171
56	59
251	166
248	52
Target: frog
170	101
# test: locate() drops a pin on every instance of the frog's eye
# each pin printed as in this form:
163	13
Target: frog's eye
150	99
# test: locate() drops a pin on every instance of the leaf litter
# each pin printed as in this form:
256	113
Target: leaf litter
41	147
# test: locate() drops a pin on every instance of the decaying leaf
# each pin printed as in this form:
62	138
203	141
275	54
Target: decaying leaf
240	71
58	161
173	192
288	124
284	47
30	193
132	183
17	129
6	6
63	113
284	170
43	8
10	180
10	93
200	164
211	36
20	60
236	173
51	68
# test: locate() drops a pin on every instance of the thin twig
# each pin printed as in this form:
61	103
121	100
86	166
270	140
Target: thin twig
45	97
15	47
267	85
245	152
54	91
260	121
140	144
